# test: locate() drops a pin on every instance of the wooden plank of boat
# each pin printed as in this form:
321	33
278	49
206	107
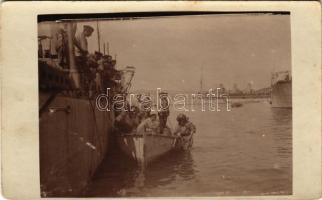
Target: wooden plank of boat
144	148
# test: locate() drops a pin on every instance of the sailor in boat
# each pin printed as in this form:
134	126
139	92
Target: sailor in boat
135	116
145	102
184	131
124	123
164	111
129	119
149	125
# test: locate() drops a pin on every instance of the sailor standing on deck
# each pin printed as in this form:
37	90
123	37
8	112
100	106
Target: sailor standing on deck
81	40
62	48
81	53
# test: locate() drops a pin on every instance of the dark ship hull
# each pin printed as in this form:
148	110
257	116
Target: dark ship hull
73	142
281	94
73	133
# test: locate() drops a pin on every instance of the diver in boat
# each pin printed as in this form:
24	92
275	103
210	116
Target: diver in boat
184	130
150	124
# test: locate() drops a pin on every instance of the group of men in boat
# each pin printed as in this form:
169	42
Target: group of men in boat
141	119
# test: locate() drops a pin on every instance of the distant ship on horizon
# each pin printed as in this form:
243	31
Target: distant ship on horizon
281	84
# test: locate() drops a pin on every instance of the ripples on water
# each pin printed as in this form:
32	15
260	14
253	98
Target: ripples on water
247	151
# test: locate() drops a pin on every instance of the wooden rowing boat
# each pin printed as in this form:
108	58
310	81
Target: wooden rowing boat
147	147
144	148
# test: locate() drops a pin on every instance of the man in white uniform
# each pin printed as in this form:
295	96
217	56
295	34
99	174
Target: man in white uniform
81	40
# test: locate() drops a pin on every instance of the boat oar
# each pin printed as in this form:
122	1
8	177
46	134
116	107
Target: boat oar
174	142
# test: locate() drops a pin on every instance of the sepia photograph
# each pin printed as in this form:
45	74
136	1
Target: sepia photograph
174	105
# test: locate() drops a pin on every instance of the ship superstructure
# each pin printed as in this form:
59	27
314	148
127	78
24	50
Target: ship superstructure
281	94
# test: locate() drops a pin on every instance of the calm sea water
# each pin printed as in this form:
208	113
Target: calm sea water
247	151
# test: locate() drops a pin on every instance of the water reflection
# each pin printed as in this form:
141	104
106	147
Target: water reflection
123	178
282	123
247	151
179	165
281	115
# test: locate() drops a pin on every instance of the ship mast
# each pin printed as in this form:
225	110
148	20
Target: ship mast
201	80
98	37
106	48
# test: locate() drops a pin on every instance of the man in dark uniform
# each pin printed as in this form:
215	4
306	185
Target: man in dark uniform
108	73
62	48
164	112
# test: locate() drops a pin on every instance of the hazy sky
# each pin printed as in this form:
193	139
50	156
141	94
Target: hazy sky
169	52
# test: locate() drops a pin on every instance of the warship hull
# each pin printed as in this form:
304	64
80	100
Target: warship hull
73	137
281	95
73	133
